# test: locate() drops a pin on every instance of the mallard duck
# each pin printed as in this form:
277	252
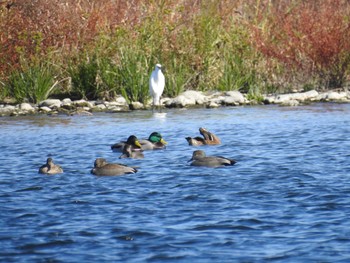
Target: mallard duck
199	158
132	140
128	153
50	168
101	167
154	142
208	138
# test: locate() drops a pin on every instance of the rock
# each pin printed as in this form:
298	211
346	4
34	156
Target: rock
116	109
188	98
197	96
115	106
335	96
83	103
234	97
180	101
218	99
136	105
66	102
292	103
120	101
51	103
310	95
99	107
45	109
284	98
26	107
212	104
7	110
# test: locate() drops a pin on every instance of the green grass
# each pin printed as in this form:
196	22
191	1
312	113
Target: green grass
203	45
34	83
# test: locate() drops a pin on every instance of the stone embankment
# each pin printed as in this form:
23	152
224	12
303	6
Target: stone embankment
187	99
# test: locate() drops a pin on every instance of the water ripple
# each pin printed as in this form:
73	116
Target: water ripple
287	198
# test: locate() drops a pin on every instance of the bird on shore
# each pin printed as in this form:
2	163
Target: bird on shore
154	142
50	168
199	158
128	153
132	141
209	138
156	85
103	168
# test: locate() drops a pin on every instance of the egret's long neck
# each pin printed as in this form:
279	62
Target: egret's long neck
158	72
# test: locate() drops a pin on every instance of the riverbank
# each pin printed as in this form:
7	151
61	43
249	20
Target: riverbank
187	99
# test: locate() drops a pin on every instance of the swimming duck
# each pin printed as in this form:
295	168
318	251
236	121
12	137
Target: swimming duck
132	140
208	138
128	153
50	168
101	167
199	158
154	142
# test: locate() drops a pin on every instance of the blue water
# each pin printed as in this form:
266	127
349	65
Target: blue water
286	200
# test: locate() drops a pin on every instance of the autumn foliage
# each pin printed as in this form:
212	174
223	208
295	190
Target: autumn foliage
311	37
110	46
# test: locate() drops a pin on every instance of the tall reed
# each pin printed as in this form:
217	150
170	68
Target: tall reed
34	83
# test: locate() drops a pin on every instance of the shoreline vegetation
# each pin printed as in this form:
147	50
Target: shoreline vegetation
85	56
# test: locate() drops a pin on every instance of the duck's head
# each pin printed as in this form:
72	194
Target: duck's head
132	140
127	151
99	162
197	155
206	134
156	137
49	161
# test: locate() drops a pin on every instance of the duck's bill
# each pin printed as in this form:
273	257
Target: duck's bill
138	144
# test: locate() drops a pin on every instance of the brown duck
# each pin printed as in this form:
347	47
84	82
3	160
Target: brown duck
102	167
50	168
199	158
207	139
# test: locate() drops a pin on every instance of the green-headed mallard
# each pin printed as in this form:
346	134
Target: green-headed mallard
101	167
199	158
154	142
132	140
50	168
209	138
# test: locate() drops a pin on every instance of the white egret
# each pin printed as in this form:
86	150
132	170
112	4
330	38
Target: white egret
156	84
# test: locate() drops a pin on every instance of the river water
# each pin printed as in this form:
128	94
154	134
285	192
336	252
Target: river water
286	200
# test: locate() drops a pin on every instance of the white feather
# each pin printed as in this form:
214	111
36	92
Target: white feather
156	84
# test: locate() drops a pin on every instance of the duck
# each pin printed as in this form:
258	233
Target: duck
132	141
209	138
50	167
103	168
199	158
128	153
154	142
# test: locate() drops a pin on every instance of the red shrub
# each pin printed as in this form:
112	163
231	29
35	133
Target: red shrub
312	36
